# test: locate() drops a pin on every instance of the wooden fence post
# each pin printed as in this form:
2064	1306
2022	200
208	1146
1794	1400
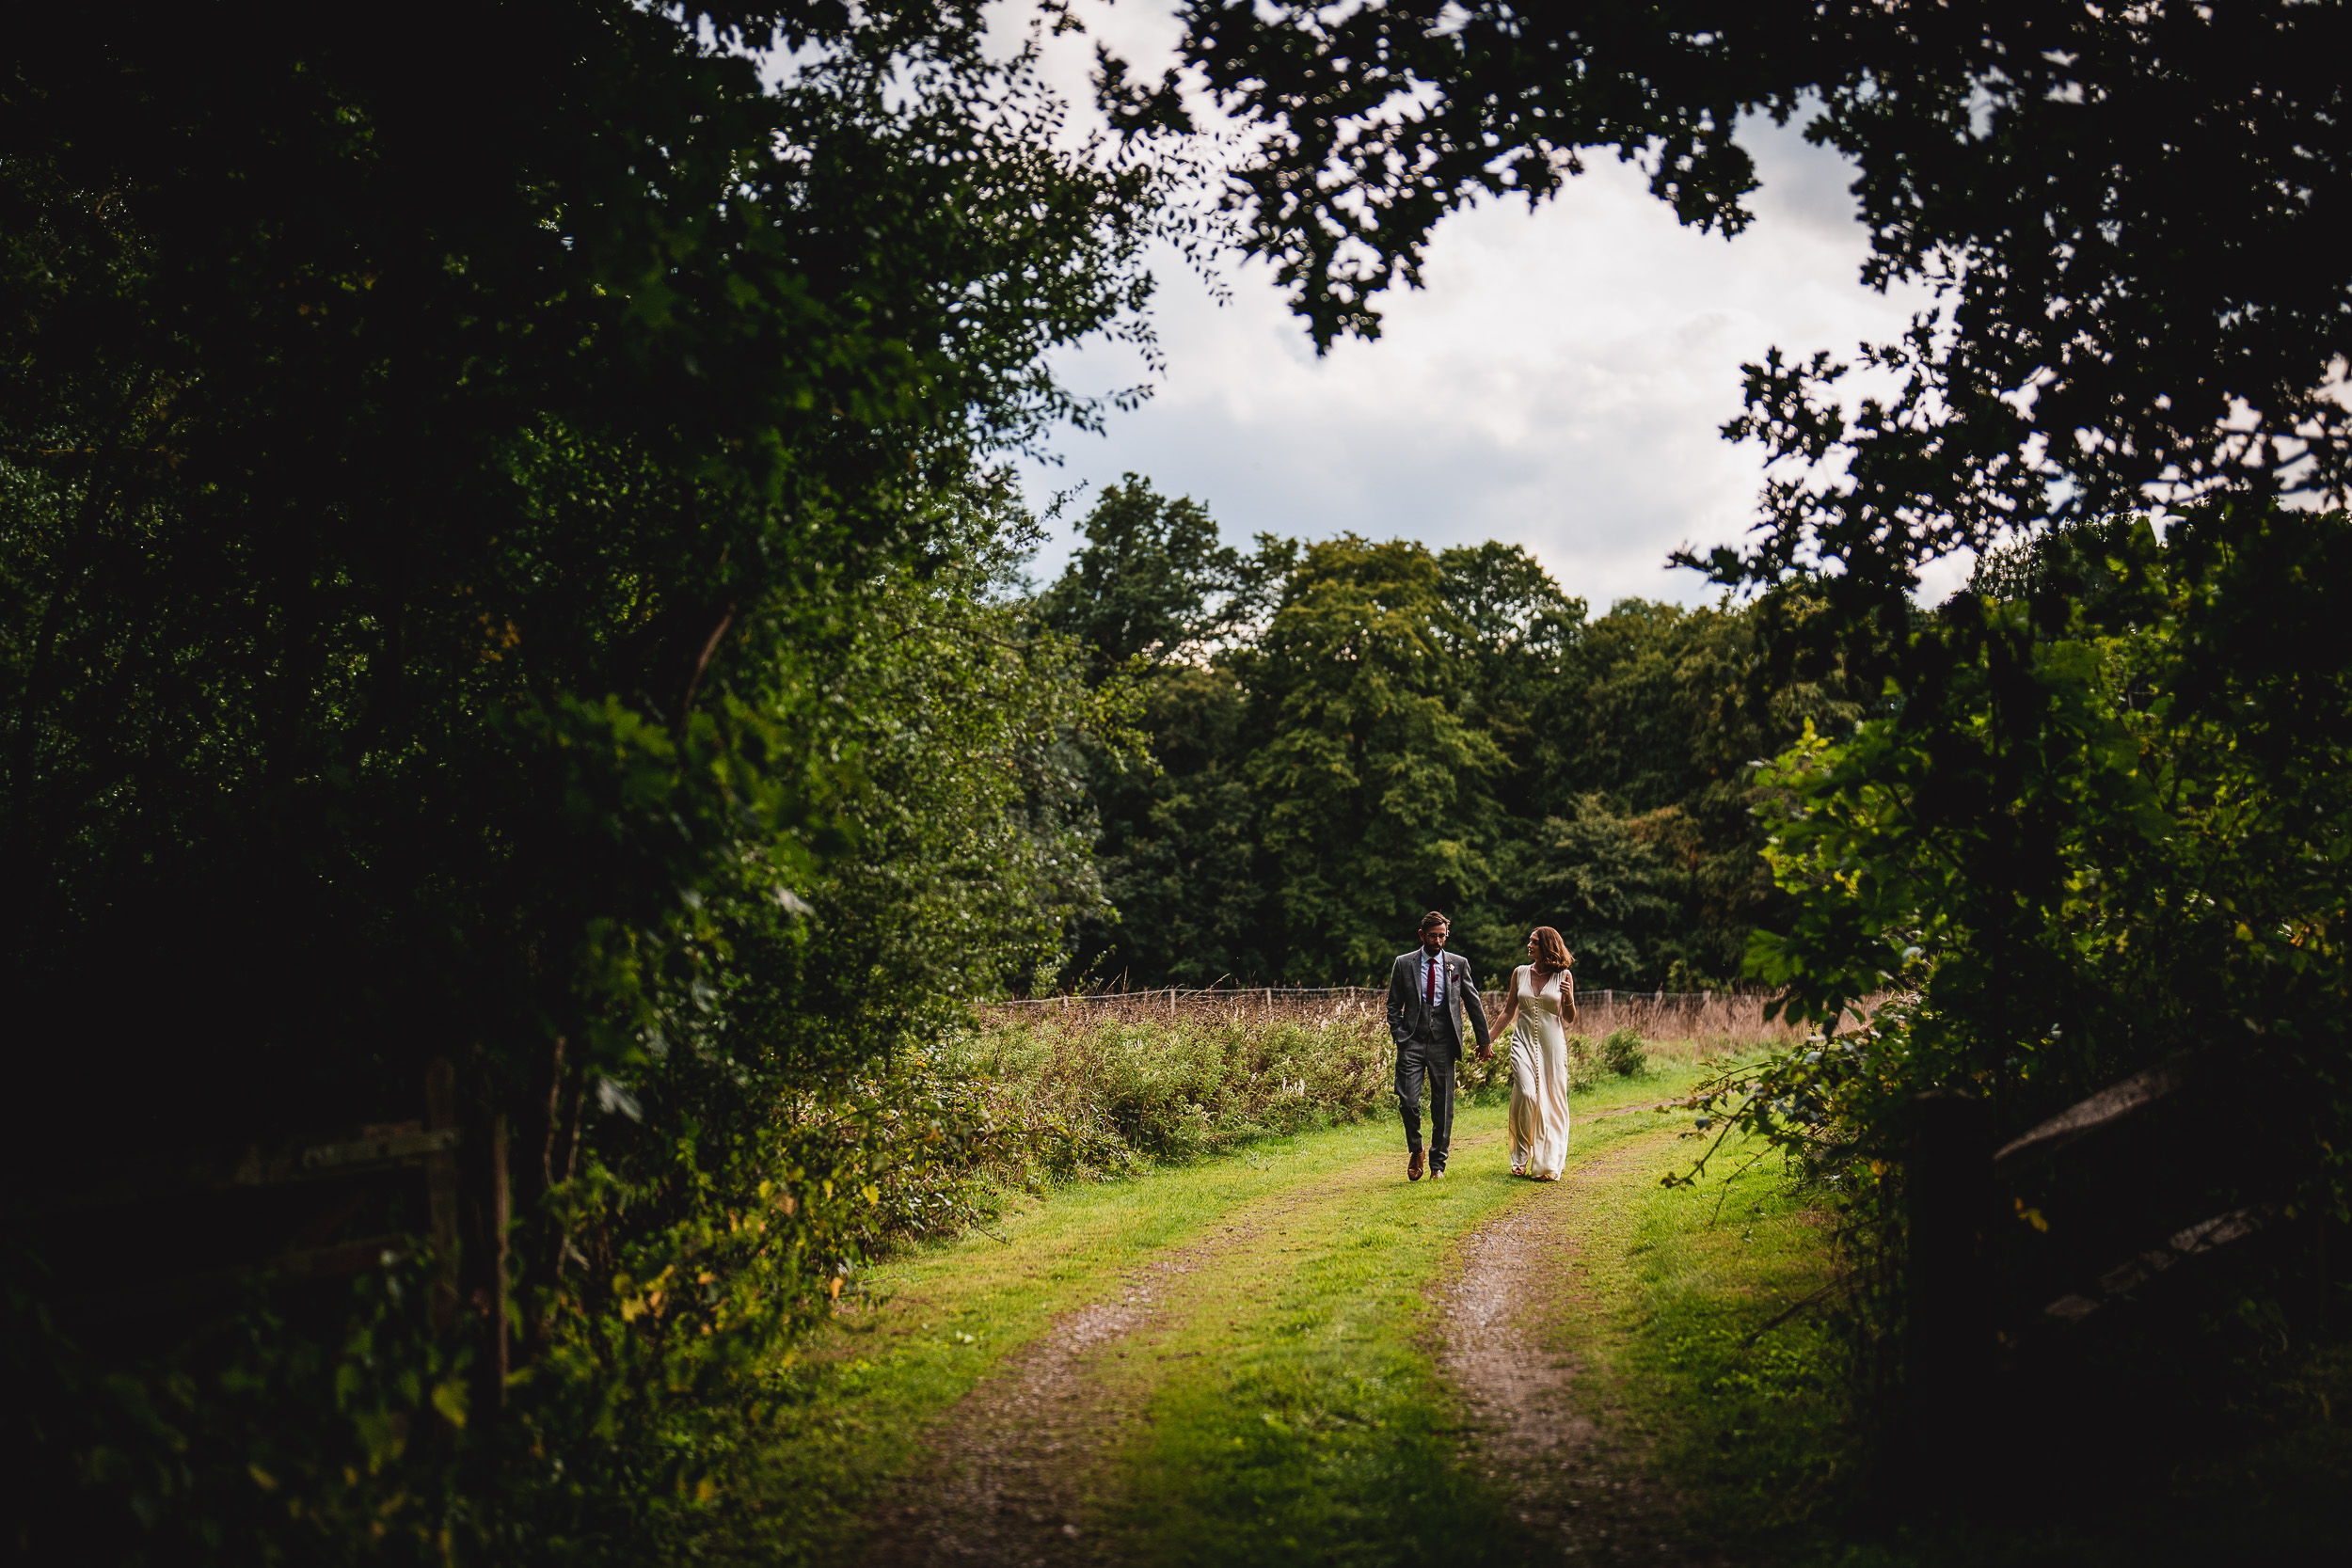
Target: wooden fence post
1949	1339
2319	1271
440	1182
478	1181
502	1220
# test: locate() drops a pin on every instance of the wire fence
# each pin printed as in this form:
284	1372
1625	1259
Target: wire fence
1658	1016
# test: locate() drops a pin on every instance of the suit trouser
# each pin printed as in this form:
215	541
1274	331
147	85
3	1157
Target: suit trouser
1426	1065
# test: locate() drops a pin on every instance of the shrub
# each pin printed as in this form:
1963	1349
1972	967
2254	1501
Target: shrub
1091	1100
1623	1053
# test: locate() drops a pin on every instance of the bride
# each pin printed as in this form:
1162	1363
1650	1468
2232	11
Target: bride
1542	1004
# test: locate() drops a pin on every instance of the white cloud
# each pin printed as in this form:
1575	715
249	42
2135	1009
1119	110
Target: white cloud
1559	384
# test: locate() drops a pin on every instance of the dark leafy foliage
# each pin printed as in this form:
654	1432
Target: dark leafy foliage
2126	212
416	477
497	564
2108	834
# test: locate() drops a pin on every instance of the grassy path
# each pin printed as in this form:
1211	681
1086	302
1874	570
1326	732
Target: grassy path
1326	1413
1243	1361
1293	1356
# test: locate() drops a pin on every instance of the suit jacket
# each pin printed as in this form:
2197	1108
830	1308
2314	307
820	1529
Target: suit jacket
1410	1017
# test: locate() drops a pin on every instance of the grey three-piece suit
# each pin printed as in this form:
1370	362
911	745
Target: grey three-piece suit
1429	1042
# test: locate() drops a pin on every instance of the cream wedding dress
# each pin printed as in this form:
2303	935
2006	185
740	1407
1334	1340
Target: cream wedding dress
1539	1074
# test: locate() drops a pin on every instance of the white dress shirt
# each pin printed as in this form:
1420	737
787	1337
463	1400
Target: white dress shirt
1421	976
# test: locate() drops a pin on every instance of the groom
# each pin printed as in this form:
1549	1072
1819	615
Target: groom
1427	989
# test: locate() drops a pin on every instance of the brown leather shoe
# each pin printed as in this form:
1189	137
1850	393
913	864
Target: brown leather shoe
1412	1168
1436	1173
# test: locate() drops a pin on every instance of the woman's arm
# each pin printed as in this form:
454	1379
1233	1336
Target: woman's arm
1510	1009
1567	995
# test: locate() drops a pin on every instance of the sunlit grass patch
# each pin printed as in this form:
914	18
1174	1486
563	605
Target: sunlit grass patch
926	1327
1314	1427
1743	1384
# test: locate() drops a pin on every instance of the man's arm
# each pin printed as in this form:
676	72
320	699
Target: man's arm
1398	1030
1474	1006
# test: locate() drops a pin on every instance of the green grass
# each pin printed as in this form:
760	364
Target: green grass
1291	1409
1304	1415
1750	1423
1312	1420
1297	1403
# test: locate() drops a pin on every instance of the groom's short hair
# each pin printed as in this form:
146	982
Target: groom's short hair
1434	918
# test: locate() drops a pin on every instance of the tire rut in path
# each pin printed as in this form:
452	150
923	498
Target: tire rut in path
1004	1480
1582	1491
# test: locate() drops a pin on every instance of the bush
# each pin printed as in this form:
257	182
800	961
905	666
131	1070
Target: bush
1623	1053
1092	1100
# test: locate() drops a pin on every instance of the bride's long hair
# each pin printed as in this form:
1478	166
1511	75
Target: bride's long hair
1551	957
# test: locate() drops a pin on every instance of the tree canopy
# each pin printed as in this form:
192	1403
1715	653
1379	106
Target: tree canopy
502	562
427	470
1376	727
2127	214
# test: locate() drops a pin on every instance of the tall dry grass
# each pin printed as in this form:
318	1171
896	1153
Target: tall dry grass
1690	1028
1098	1084
1679	1026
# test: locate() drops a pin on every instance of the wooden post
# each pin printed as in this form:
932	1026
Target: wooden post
2319	1272
1950	1337
550	1127
480	1201
562	1154
501	1218
440	1181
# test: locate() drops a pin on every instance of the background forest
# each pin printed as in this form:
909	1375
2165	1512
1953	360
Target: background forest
1343	734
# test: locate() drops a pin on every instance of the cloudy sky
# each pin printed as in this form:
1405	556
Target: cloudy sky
1558	385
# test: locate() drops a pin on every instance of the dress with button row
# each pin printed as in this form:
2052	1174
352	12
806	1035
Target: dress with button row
1539	1072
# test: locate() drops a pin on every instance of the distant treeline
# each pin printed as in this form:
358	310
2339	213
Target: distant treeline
1345	733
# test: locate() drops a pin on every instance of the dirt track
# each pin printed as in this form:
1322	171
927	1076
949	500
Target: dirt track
1005	1475
1572	1478
1012	1473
